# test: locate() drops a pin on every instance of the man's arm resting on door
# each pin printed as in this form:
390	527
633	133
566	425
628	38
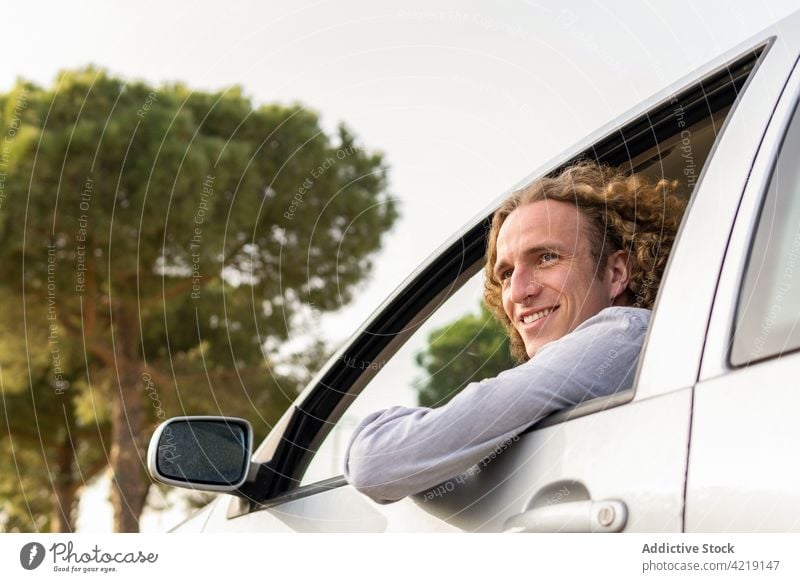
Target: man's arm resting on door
401	451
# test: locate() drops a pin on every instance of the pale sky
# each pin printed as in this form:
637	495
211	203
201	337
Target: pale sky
464	98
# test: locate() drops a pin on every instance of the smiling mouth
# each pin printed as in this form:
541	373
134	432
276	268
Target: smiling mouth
539	315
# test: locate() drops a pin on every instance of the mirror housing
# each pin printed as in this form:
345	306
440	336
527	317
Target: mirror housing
209	453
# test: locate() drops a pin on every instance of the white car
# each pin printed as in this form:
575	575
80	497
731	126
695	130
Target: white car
701	443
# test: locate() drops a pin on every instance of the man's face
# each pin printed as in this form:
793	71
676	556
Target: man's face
551	284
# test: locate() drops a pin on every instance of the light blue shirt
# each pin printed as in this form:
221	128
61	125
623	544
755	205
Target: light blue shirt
401	451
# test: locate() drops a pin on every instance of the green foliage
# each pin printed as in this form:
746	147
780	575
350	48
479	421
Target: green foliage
47	455
167	240
470	349
49	446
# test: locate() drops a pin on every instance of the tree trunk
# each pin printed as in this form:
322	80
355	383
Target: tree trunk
129	484
62	517
129	480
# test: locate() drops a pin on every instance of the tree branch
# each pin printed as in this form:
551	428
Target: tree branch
177	290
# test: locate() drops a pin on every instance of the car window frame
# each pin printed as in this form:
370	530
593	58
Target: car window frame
792	124
716	354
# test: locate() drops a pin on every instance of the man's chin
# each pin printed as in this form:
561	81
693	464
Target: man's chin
534	347
536	339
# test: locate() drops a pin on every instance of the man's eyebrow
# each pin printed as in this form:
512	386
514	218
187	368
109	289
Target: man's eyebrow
499	268
534	250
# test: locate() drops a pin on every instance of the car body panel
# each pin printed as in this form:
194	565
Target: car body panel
742	476
739	477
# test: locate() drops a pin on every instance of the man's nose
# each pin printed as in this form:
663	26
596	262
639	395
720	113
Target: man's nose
524	284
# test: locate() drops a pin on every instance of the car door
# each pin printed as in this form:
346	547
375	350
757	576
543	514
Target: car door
742	474
611	464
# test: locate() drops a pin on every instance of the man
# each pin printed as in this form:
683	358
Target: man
572	270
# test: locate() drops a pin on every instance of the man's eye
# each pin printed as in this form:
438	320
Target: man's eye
505	275
549	257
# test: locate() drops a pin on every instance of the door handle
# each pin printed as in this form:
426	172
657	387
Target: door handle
588	516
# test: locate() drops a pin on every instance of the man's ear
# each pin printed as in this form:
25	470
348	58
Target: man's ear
619	273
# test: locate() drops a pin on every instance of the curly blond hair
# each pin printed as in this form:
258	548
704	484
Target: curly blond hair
625	212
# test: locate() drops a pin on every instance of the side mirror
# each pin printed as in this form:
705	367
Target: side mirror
210	453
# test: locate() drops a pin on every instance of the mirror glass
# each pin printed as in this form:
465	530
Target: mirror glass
204	451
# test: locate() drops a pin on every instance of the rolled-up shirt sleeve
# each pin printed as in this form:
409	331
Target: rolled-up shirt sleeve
401	451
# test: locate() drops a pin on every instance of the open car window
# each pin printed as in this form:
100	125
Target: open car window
460	343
